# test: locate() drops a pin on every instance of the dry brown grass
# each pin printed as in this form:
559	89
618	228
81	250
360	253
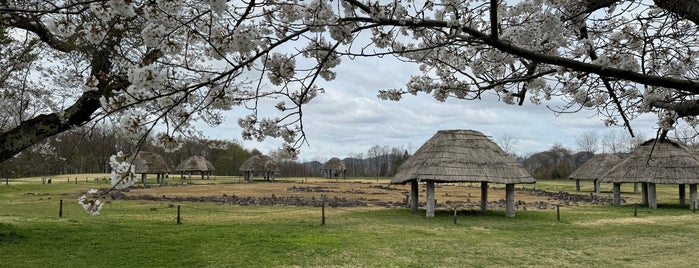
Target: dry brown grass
364	189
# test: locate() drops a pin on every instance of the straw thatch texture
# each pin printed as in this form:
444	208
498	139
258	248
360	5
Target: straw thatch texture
259	163
149	163
595	167
461	156
195	163
334	164
671	162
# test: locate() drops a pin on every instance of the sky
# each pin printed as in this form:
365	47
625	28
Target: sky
349	118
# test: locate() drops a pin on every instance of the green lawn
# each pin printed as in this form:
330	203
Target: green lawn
146	234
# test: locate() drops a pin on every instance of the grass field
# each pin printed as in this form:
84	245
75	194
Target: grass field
143	233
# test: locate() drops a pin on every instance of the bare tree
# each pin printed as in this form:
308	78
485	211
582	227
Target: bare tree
588	141
507	143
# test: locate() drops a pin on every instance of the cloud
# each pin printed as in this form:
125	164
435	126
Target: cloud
350	119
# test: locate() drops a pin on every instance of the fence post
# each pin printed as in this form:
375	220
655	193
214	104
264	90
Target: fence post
178	215
558	212
322	221
635	210
454	215
60	209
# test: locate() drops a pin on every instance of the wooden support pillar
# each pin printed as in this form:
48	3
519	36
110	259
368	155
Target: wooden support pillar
652	198
617	194
595	184
430	199
683	195
484	196
414	195
693	202
143	178
510	199
644	194
577	185
635	187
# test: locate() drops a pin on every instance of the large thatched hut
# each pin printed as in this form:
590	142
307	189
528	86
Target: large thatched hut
150	163
334	167
661	162
461	156
593	170
194	165
260	164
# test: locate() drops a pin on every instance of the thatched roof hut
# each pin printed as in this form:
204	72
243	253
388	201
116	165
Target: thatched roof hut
335	165
195	164
593	169
661	162
259	164
145	162
461	156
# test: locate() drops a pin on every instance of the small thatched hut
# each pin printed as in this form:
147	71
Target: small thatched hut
461	156
259	164
662	162
195	164
593	170
150	163
334	167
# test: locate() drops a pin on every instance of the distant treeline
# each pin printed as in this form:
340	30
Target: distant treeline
88	150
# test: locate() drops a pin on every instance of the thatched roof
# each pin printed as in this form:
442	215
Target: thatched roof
259	162
671	162
195	163
595	167
461	156
149	163
334	164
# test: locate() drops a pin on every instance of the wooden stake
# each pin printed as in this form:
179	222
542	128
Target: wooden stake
60	209
558	212
178	215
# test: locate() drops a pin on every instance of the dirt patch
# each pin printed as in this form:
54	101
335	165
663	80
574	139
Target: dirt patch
351	194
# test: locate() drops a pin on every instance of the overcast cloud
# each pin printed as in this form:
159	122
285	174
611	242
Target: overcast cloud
350	119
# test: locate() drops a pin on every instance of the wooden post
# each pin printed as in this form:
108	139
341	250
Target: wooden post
595	185
178	215
60	209
644	194
454	215
510	199
693	196
414	195
143	178
683	195
635	187
322	221
558	212
577	185
652	198
617	194
430	199
635	210
484	196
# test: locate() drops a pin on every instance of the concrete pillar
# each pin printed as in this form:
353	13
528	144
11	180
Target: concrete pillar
693	202
413	195
430	199
577	185
644	194
510	199
484	196
652	198
683	195
617	194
